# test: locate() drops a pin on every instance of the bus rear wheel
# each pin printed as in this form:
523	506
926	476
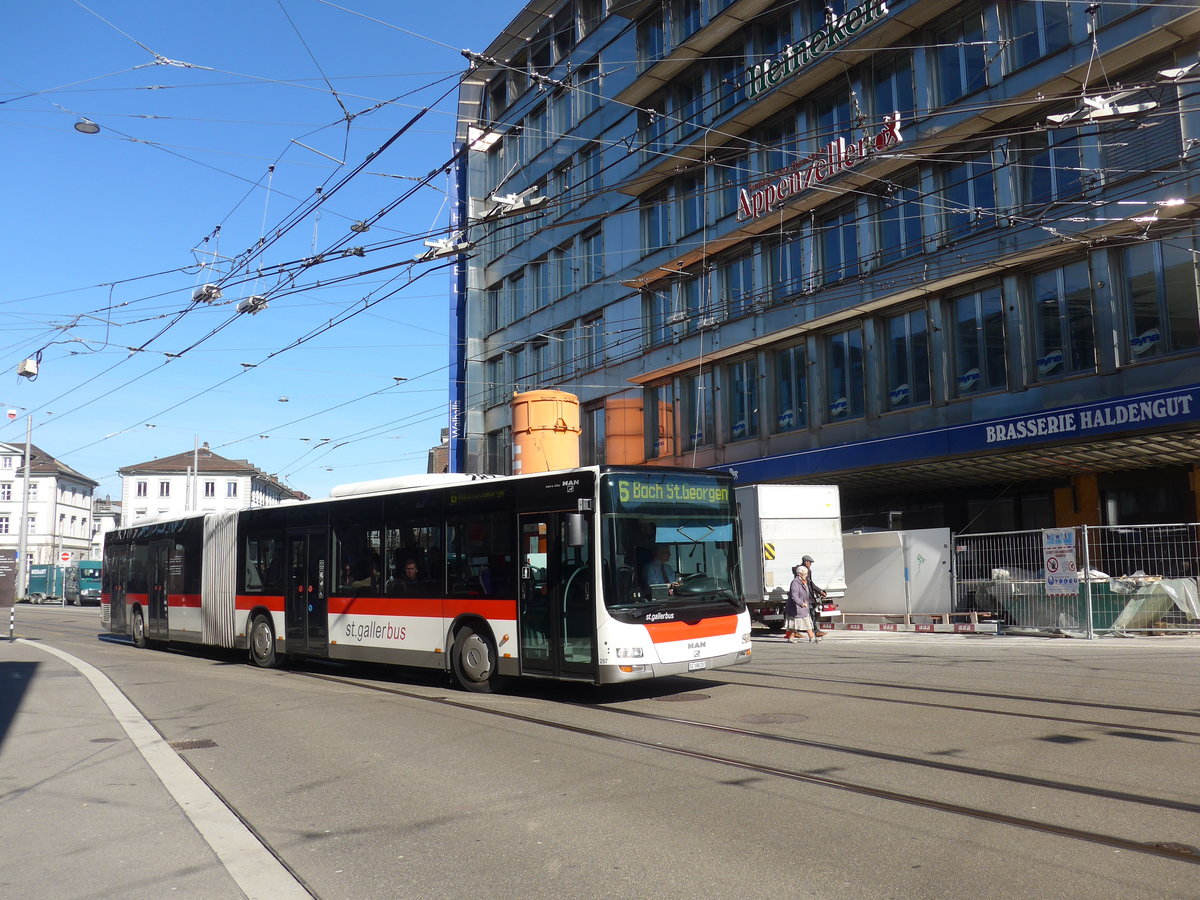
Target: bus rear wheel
262	643
137	627
475	662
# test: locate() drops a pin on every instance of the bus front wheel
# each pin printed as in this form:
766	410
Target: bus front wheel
138	628
475	662
262	643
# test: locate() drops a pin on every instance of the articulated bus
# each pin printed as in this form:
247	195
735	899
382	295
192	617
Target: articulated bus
485	577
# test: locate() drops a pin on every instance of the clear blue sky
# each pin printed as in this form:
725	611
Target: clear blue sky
102	236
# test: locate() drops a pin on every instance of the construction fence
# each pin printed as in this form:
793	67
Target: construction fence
1083	581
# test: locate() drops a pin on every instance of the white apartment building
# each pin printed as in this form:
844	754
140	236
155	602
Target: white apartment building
196	481
60	506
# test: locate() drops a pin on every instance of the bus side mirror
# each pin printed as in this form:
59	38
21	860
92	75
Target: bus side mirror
575	529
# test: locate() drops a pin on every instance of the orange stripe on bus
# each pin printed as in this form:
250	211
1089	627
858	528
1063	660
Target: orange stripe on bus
665	632
184	601
246	602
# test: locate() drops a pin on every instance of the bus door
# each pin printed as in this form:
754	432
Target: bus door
116	579
557	603
157	592
306	605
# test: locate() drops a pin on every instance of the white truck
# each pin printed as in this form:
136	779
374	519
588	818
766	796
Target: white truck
781	524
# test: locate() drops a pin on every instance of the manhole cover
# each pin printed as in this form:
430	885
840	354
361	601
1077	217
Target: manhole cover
773	718
680	698
200	744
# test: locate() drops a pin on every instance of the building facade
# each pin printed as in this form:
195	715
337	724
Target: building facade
943	254
196	481
59	506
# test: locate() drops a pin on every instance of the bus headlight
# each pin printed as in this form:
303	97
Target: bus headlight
746	638
632	670
629	653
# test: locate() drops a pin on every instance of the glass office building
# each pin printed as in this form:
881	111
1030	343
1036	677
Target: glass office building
941	254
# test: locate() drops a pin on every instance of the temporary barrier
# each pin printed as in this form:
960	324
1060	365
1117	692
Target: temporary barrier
1081	581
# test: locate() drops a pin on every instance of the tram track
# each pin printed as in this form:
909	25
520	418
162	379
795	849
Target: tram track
952	707
1166	850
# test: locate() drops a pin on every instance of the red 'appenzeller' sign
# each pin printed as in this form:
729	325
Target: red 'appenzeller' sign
836	157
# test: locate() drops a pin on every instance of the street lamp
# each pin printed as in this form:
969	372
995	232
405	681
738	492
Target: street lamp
87	126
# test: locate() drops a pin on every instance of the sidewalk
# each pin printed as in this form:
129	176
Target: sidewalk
82	814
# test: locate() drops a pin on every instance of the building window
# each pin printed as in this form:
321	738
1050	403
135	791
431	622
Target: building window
742	380
495	380
1035	30
32	487
210	489
791	389
656	221
1048	167
651	45
141	489
492	308
499	458
586	91
729	76
907	359
652	128
736	175
892	89
737	285
689	104
164	489
1062	321
593	436
845	385
659	410
516	369
1159	299
657	306
3	524
979	363
588	178
786	257
231	489
898	220
6	462
516	297
959	58
837	237
592	334
690	304
562	274
539	282
698	424
968	196
591	256
689	193
6	490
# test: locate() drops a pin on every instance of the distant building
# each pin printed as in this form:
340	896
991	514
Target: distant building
439	456
60	506
196	481
106	517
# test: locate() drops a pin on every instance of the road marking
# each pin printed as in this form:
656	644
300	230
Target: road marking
255	869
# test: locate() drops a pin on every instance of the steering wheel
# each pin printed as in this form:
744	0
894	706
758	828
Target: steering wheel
695	583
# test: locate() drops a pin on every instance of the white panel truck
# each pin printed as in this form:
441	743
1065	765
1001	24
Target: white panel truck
781	524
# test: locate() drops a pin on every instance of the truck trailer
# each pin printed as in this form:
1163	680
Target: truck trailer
781	524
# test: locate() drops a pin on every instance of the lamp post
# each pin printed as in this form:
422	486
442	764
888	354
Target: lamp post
23	532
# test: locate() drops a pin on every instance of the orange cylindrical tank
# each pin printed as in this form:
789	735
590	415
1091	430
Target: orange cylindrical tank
624	431
545	431
665	439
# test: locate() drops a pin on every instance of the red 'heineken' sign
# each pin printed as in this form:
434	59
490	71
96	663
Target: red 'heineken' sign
836	157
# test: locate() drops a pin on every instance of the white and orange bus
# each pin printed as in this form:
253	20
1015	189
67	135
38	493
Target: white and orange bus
548	575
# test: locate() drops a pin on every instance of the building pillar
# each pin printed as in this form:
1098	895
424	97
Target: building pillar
1079	502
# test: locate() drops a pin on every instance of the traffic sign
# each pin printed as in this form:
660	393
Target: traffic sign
65	556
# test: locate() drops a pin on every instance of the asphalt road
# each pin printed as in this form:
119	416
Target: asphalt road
868	766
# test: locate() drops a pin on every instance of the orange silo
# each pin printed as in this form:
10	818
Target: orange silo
625	440
545	431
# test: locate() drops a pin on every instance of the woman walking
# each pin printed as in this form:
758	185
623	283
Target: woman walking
798	611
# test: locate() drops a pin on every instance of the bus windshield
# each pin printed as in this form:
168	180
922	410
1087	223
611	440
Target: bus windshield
668	539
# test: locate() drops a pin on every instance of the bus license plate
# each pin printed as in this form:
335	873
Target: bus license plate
697	664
